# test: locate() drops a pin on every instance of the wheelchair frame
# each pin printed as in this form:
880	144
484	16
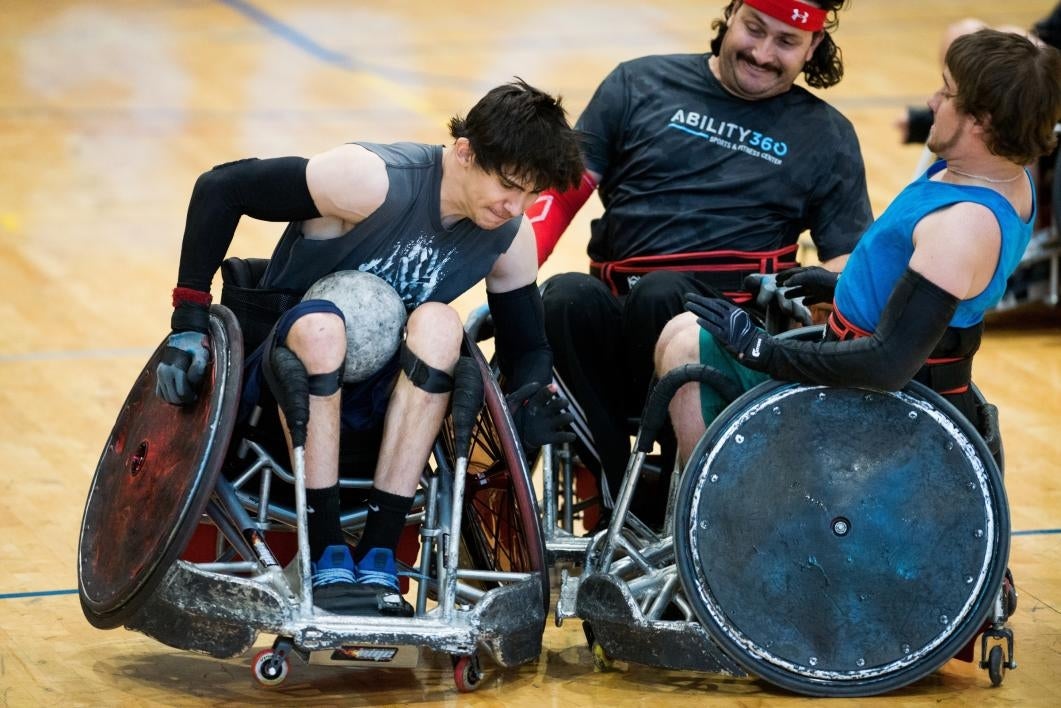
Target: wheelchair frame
633	597
219	607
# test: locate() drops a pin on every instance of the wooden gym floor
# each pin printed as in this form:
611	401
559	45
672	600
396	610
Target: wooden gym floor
109	109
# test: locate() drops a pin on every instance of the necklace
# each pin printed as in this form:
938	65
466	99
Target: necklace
992	180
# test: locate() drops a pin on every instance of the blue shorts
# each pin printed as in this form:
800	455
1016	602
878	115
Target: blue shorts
364	403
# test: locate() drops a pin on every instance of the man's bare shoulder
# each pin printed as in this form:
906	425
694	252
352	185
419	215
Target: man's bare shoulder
347	182
957	247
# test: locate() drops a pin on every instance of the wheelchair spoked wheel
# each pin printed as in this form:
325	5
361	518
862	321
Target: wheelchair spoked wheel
153	481
500	520
841	542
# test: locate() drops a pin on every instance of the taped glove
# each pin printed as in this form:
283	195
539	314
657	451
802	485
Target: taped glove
769	293
182	367
812	283
540	416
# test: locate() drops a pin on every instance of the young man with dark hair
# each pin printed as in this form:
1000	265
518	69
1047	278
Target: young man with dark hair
911	301
709	167
431	221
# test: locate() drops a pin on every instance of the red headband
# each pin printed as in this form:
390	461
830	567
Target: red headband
792	12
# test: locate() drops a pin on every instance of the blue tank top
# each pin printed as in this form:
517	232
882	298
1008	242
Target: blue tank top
403	241
883	253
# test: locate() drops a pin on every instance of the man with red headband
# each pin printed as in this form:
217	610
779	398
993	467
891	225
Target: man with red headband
911	302
709	167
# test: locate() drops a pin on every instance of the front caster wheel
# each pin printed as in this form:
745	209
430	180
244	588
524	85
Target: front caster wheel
601	660
466	673
996	666
269	669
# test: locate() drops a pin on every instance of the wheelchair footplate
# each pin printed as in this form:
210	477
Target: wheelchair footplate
621	631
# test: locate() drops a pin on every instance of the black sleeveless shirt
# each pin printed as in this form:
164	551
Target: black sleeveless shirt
403	241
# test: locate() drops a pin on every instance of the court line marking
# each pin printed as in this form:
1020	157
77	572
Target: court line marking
68	355
300	40
38	593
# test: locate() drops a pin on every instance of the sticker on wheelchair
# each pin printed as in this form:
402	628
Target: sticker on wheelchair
368	656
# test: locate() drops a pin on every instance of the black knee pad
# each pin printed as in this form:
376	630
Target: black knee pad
326	384
424	377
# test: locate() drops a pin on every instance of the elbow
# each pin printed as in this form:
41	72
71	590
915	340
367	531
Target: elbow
890	376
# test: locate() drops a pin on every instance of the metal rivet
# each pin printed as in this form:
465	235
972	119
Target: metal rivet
912	415
777	410
906	648
739	438
821	396
714	478
704	525
979	533
943	619
814	661
861	662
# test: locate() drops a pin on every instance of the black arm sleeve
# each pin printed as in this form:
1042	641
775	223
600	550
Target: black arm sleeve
914	319
523	353
270	190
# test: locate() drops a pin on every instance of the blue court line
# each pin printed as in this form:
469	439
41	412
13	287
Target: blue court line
288	33
1036	532
39	593
292	36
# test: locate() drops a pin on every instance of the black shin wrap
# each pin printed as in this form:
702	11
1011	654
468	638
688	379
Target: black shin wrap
913	321
424	377
327	384
523	353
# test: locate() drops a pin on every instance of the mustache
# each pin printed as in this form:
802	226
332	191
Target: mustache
769	67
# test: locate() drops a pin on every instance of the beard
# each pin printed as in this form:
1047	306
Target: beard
940	145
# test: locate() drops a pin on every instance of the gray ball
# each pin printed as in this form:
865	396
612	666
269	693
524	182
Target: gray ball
375	315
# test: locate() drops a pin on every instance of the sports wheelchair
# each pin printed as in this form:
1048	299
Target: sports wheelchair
169	474
832	541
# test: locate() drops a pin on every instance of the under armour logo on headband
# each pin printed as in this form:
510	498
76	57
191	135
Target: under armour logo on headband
793	13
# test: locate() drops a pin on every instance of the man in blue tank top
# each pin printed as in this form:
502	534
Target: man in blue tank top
709	167
431	221
911	299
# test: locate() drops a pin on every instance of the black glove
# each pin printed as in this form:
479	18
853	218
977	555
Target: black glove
731	326
812	283
768	291
540	416
181	369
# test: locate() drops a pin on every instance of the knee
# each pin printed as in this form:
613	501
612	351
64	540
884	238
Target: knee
319	340
678	344
434	333
660	293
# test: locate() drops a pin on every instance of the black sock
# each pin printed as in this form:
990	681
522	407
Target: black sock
324	526
386	519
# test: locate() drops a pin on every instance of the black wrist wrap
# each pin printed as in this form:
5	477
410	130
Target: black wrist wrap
188	317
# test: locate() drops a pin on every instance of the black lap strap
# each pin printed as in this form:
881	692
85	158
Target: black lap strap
424	377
